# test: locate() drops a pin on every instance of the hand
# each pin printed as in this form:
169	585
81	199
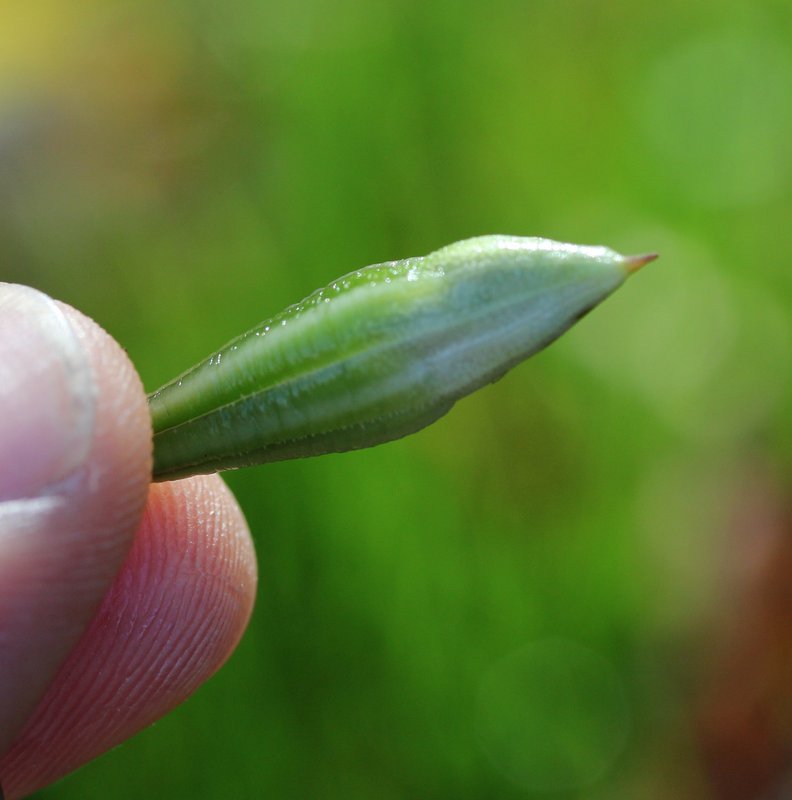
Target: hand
117	598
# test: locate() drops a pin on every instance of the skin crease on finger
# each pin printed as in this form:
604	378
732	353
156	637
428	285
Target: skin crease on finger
172	617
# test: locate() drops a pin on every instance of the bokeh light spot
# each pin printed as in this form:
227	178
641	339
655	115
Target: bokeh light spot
690	341
718	114
552	716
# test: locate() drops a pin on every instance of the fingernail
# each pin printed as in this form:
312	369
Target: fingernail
46	393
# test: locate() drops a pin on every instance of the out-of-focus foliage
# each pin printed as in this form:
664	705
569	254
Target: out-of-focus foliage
573	584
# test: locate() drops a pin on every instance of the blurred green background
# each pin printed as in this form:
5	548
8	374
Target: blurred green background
574	585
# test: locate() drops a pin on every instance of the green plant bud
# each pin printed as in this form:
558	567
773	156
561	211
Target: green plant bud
379	353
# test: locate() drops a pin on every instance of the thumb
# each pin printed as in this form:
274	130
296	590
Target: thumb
75	446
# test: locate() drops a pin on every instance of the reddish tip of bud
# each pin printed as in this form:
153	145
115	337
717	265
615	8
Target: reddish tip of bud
634	263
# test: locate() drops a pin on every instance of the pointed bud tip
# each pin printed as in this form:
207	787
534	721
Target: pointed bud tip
634	263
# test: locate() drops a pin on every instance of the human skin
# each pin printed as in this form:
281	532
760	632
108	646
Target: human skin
118	598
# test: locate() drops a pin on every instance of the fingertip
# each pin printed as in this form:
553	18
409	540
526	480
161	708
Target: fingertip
118	470
174	614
